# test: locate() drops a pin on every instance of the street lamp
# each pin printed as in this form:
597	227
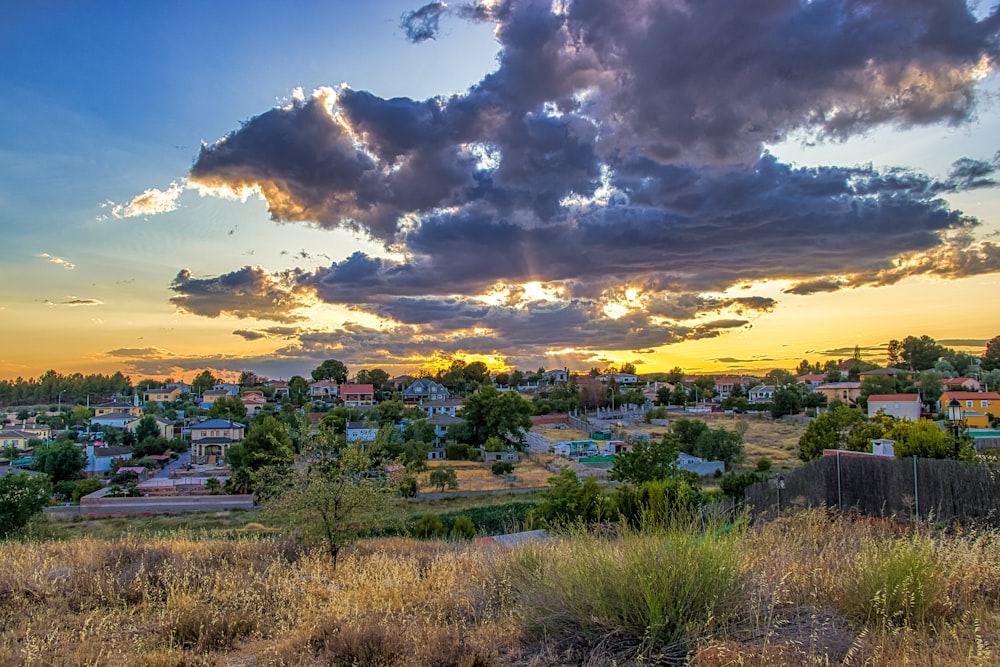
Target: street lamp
955	417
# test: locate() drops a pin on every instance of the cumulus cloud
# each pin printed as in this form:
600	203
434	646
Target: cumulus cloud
64	263
250	292
617	156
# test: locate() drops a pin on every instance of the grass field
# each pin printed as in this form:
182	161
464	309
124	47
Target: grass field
812	588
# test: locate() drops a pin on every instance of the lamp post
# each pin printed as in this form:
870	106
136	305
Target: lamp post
955	417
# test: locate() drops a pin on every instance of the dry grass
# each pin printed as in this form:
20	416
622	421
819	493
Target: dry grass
476	476
815	588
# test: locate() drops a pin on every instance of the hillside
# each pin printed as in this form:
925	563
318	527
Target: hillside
812	588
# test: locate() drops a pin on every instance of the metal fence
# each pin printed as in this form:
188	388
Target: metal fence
912	488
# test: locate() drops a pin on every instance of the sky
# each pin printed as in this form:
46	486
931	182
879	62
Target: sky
715	185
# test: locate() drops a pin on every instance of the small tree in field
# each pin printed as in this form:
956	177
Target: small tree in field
444	477
502	468
327	504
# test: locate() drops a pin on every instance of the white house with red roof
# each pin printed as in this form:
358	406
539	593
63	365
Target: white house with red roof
357	395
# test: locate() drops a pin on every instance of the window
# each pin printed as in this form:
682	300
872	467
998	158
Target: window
968	404
984	404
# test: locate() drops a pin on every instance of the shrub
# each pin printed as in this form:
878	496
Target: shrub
764	464
85	487
734	484
502	468
408	486
429	526
462	528
444	476
650	589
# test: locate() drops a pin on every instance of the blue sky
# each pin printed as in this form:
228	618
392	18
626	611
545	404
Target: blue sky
614	195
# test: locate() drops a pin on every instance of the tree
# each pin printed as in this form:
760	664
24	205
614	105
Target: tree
323	503
991	357
570	501
920	354
331	369
86	487
60	461
489	413
733	484
376	377
22	497
213	486
718	444
203	382
648	460
876	384
663	395
925	440
248	379
828	431
779	377
298	390
227	407
786	401
674	375
147	428
442	477
267	443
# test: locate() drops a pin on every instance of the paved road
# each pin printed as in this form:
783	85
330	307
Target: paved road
179	462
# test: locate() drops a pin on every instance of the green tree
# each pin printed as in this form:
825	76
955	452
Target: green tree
463	528
830	430
718	444
648	460
331	369
663	395
267	443
429	527
991	357
490	413
298	390
60	461
147	428
227	407
213	486
22	497
80	415
376	377
86	487
203	382
688	431
442	477
674	376
322	503
568	500
733	484
876	384
786	401
925	439
248	379
920	354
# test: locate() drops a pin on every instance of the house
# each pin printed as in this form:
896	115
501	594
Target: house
897	406
613	447
324	389
424	389
140	472
845	392
211	396
165	427
210	440
183	386
253	400
228	387
441	424
977	406
280	389
167	394
442	406
724	385
699	465
510	456
357	395
558	375
102	409
762	393
114	419
362	431
620	378
15	438
100	458
961	384
811	380
889	370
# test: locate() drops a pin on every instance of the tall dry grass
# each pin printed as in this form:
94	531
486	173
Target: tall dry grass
811	588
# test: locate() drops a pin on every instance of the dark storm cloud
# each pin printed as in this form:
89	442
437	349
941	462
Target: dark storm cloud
422	24
250	292
617	146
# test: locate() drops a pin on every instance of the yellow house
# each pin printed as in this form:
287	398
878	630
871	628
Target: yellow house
117	406
15	438
976	406
845	392
162	395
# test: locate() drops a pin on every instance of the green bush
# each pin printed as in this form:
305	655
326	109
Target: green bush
408	487
429	526
462	528
764	464
502	468
85	487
